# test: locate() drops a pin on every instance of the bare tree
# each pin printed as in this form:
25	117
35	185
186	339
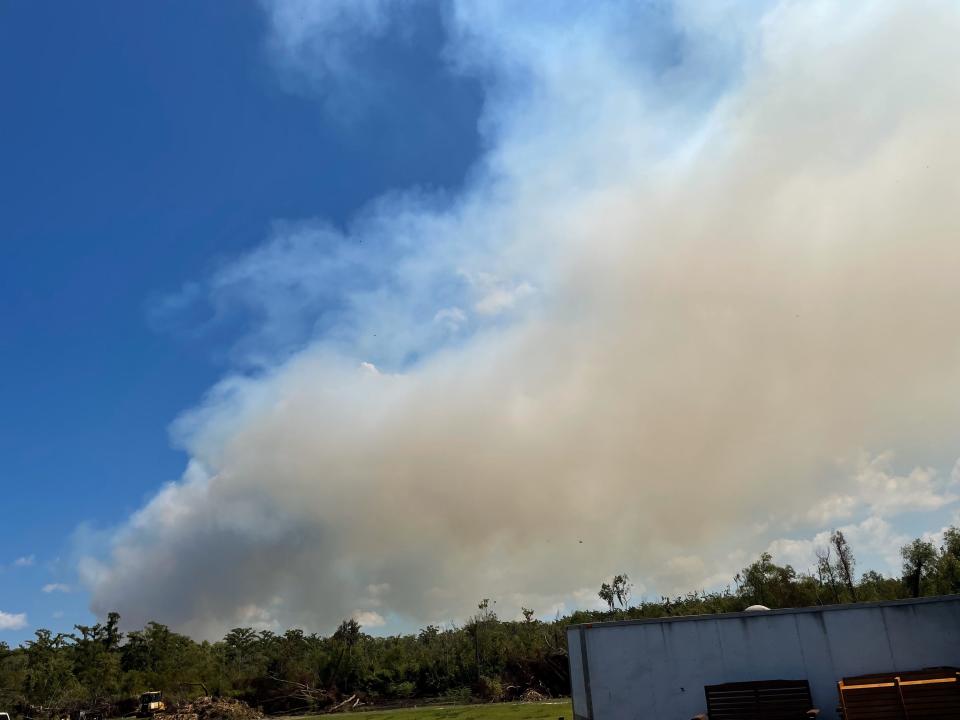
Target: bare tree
616	591
477	625
826	571
622	587
845	562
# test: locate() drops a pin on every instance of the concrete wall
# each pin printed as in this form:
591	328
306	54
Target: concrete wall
657	669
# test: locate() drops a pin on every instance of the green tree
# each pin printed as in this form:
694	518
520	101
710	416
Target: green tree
12	675
874	586
919	559
616	591
951	541
96	662
947	570
49	680
240	652
766	583
755	580
346	641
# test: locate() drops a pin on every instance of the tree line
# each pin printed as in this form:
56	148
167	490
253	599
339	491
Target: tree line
486	658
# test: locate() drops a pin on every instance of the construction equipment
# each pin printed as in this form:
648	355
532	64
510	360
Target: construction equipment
151	703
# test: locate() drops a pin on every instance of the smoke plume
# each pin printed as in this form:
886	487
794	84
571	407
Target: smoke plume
702	282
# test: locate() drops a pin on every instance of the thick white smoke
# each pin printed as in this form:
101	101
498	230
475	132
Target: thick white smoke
691	297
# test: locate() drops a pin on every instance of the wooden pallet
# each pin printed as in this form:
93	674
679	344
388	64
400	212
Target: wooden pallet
932	694
761	700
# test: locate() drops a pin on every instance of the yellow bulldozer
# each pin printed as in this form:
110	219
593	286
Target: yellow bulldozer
151	703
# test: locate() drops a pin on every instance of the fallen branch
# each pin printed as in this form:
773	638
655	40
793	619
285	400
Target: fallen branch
340	705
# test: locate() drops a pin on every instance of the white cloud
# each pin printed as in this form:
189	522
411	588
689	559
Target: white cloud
369	618
800	553
323	48
493	295
834	507
743	271
936	536
500	299
874	488
25	561
12	621
889	493
258	618
316	38
872	537
452	317
376	594
587	598
56	587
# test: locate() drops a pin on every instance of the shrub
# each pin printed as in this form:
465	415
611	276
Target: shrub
488	688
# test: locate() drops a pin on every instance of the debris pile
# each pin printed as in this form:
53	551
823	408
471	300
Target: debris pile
531	696
208	708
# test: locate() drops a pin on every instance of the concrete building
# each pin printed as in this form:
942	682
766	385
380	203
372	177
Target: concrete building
657	669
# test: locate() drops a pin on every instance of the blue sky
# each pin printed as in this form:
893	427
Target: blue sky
142	145
375	308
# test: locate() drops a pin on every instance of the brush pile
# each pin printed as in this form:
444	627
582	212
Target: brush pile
209	708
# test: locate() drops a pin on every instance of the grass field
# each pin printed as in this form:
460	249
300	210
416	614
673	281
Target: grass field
490	711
